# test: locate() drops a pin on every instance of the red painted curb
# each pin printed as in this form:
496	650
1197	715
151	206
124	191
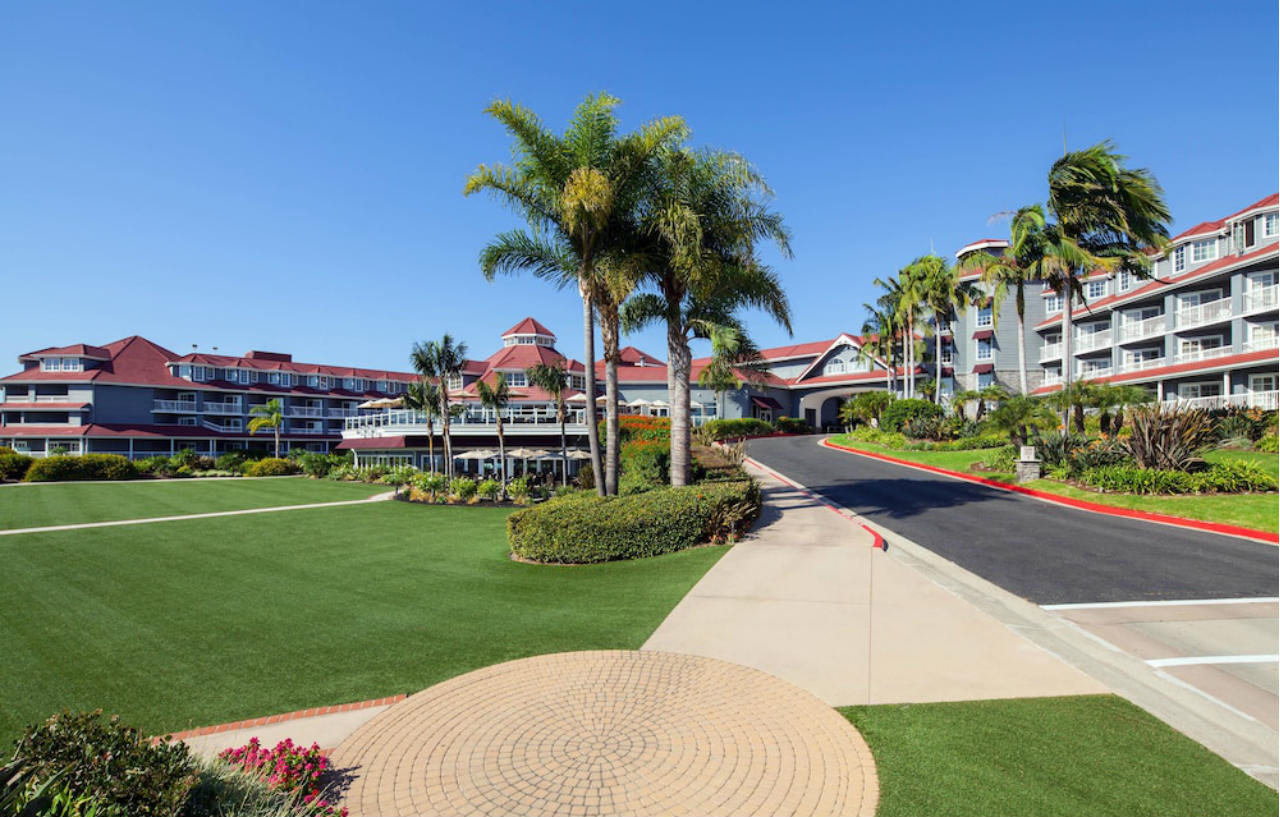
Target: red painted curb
287	716
878	540
1071	502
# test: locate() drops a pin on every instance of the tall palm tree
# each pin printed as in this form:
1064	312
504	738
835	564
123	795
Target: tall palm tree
1013	270
880	343
735	361
944	295
1105	213
268	415
439	361
496	397
703	216
424	395
905	296
554	380
578	193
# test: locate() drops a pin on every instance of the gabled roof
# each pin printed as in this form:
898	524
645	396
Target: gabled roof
274	364
528	326
76	350
1203	228
795	350
632	356
845	339
1260	204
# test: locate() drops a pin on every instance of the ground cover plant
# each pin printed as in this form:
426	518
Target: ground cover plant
180	624
1093	754
34	506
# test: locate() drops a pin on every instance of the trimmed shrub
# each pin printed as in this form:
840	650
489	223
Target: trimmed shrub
998	459
462	488
867	434
967	444
924	428
1269	444
158	466
646	463
792	425
14	466
1235	477
85	467
112	766
230	461
186	456
487	489
586	529
899	412
519	490
718	430
272	467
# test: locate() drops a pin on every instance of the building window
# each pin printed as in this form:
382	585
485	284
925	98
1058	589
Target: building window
577	382
273	378
1242	235
454	382
984	316
985	379
1206	250
1270	227
1263	334
1180	259
984	349
1126	281
835	366
51	364
519	379
1053	303
1190	391
1096	289
1264	382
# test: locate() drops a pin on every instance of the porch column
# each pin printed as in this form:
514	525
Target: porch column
1226	385
1160	391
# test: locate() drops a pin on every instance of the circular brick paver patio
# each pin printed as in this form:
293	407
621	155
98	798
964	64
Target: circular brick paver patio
588	733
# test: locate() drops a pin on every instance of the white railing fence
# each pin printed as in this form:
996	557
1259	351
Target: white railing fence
1204	313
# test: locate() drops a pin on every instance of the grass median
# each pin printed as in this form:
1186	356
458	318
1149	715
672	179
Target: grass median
190	623
1256	511
1092	754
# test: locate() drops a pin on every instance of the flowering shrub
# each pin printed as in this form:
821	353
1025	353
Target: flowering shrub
271	467
640	427
288	768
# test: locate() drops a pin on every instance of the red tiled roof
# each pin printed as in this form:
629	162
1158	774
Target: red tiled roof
528	326
1226	361
1200	229
133	360
9	405
1155	285
816	347
1266	201
75	350
879	374
521	357
631	355
271	365
363	443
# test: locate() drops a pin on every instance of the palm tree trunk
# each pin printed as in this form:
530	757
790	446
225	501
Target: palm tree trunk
589	373
502	460
444	428
937	360
609	329
431	445
1020	302
679	364
276	429
564	446
1066	341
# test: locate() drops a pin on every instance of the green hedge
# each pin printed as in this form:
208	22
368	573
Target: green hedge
731	429
272	467
13	466
86	467
1226	477
896	415
587	529
792	425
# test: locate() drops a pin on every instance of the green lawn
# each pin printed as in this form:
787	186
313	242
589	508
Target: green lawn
43	504
1047	756
1257	511
181	624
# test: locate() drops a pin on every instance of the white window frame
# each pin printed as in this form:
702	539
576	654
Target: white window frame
1193	390
1198	344
1272	378
1145	353
273	378
1180	259
977	349
1125	281
985	316
1052	303
518	380
51	364
833	366
1272	327
454	382
1270	225
1209	246
1258	280
1100	283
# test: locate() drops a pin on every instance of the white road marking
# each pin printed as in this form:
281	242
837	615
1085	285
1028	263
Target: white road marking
1197	690
1196	660
1179	603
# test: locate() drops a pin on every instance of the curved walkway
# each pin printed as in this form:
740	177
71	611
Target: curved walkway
610	733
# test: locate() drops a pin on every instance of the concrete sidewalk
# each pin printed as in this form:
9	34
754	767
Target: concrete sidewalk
807	598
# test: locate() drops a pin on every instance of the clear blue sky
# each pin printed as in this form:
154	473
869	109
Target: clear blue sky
288	175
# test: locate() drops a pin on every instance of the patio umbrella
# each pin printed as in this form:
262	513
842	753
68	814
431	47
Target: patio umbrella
381	402
477	454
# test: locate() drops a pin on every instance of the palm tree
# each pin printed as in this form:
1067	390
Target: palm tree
1106	216
1013	270
1019	416
905	296
945	295
1107	398
880	343
705	212
439	361
1071	401
962	398
554	380
268	415
578	193
735	360
424	396
496	397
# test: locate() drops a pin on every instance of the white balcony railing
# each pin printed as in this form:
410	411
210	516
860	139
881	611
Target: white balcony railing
1205	353
306	430
1053	379
175	406
339	414
1137	364
1261	298
38	398
223	408
1267	400
303	411
1051	351
1201	314
1258	344
1145	328
514	419
1089	341
223	427
1094	373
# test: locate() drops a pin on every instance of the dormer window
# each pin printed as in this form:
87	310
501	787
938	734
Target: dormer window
1096	288
984	316
353	384
273	378
516	378
1180	259
1206	250
1270	225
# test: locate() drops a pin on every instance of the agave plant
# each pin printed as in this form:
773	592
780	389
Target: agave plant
1170	440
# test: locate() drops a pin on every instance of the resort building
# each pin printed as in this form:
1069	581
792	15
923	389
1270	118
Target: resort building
1202	331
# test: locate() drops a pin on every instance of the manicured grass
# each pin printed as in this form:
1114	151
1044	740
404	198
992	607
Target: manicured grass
1267	462
1095	754
181	624
50	503
1257	511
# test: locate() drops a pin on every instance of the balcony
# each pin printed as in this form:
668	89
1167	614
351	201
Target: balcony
1202	314
1203	353
1094	373
303	411
1260	299
175	406
471	421
1054	379
341	414
1266	400
306	430
38	398
226	428
1090	341
1051	351
223	408
1146	328
1142	363
1258	344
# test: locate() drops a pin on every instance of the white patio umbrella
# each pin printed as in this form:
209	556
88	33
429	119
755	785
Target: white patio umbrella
382	402
477	454
526	454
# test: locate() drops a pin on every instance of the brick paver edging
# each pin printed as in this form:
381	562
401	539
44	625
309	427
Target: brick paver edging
1071	502
287	716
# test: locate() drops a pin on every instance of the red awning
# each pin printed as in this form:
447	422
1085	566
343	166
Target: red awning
371	443
984	334
948	371
766	403
984	368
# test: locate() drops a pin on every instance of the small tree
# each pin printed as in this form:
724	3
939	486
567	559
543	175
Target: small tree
1020	416
554	380
496	397
424	396
268	415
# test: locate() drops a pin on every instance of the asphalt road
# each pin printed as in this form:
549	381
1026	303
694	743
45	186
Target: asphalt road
1046	553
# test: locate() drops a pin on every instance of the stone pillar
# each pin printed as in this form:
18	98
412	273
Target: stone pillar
1028	466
